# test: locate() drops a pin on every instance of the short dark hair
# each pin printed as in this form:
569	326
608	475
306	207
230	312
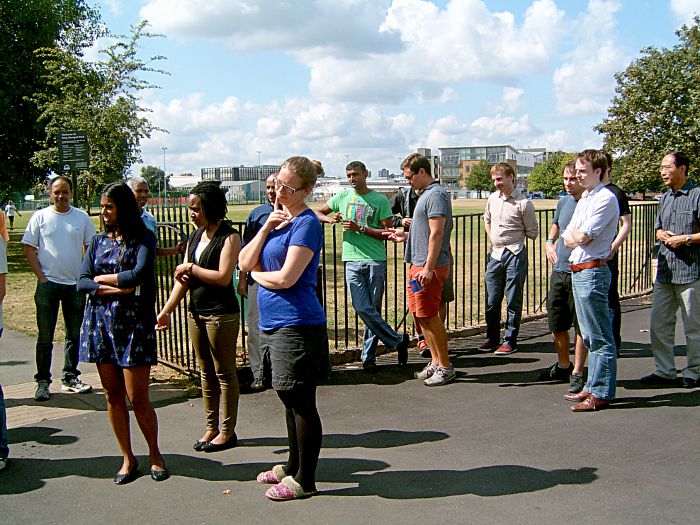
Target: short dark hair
597	159
416	161
608	158
681	159
131	225
67	180
356	165
568	166
213	200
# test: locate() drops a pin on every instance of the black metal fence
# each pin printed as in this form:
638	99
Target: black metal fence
466	312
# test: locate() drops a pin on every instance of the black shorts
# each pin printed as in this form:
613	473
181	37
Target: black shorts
298	355
561	312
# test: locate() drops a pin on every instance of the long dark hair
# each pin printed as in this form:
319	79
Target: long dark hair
131	226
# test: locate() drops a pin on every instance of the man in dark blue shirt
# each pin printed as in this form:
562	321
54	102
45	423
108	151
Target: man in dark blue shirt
677	282
560	299
248	288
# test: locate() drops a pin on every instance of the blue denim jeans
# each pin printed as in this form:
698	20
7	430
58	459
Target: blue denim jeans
590	289
4	438
365	280
505	277
48	297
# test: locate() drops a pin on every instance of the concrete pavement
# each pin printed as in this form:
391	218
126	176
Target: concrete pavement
496	446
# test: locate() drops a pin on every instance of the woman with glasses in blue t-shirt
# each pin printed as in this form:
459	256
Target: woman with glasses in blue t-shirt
283	258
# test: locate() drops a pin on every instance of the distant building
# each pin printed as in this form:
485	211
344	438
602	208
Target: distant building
256	175
383	173
456	163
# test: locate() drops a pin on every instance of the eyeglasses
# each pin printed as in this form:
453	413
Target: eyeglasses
281	185
408	178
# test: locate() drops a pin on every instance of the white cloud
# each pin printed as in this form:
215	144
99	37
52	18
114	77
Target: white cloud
302	26
501	129
203	134
358	50
685	10
511	100
585	83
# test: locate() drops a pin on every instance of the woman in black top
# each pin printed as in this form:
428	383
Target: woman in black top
207	272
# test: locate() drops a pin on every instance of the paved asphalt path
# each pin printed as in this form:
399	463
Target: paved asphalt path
494	447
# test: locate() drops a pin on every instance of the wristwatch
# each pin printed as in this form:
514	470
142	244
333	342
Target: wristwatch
688	240
363	229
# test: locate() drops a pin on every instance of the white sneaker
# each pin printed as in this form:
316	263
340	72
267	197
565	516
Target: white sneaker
3	464
441	376
42	391
427	372
76	386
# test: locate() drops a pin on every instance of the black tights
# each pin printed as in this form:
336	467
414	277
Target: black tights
304	433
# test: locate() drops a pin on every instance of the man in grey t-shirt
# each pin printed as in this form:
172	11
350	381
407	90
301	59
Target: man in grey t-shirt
428	252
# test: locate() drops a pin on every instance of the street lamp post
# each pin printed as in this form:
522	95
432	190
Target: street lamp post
165	174
259	178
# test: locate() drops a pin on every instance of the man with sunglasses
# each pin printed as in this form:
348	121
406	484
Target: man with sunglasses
365	215
428	253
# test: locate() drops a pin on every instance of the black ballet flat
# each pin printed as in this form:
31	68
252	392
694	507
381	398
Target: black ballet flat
160	475
213	447
123	479
198	445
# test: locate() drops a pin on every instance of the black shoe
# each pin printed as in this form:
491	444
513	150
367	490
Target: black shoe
577	383
229	443
656	380
402	351
160	475
123	479
198	445
689	382
370	365
556	373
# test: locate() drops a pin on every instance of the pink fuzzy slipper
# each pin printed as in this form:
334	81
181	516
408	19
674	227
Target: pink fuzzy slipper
288	489
272	476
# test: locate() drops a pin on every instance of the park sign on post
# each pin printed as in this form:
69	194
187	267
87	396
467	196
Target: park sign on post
73	151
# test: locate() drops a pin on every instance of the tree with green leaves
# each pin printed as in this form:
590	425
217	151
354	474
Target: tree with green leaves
102	99
656	110
480	177
154	177
25	26
547	176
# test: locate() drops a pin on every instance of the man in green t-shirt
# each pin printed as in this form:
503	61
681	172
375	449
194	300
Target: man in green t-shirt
365	215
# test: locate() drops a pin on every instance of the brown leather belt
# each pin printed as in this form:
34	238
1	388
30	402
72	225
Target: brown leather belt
588	264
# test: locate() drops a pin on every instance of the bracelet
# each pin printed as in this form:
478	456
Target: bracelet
550	241
191	267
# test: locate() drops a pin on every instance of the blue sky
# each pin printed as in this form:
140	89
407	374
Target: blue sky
374	80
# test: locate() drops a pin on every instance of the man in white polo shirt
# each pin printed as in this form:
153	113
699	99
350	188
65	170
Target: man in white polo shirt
54	243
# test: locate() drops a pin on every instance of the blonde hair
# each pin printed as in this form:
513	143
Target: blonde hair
303	168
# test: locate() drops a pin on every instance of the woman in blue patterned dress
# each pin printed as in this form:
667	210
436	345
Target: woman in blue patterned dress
118	332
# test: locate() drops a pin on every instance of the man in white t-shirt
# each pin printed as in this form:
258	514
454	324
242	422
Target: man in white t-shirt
141	190
10	211
54	243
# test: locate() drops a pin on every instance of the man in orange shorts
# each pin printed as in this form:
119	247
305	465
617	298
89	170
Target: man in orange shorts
428	253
